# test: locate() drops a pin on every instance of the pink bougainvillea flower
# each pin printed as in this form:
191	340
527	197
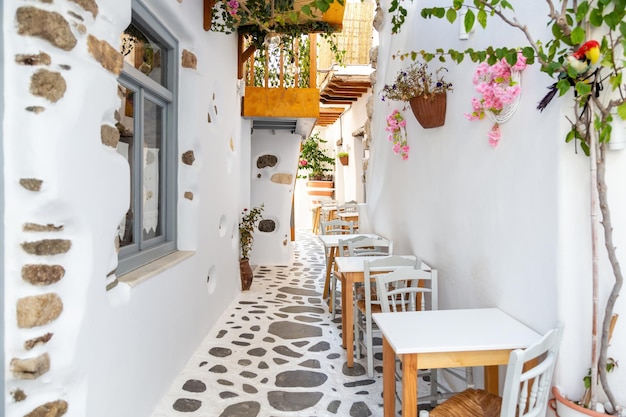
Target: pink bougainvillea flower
396	126
497	88
494	135
303	162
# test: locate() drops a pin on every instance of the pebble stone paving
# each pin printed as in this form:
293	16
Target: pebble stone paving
277	352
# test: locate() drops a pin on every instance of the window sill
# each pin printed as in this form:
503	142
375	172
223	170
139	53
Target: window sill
143	273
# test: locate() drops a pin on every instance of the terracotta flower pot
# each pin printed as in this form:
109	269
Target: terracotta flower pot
245	273
430	111
567	408
320	188
343	160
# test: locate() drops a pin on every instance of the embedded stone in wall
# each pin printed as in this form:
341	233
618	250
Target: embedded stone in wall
282	178
48	84
38	310
264	161
31	184
379	19
31	368
89	5
374	56
50	26
105	54
41	58
109	135
188	195
82	29
18	395
42	274
47	246
34	227
35	109
267	225
188	158
52	409
40	340
189	60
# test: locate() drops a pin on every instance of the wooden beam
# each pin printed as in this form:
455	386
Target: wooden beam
208	14
242	56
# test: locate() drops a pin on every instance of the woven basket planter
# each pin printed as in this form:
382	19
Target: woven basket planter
430	111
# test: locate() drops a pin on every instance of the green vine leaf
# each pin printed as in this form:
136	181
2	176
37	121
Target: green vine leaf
578	35
563	86
621	111
451	15
595	17
583	88
482	18
470	18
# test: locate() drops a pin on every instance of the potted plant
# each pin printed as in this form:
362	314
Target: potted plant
316	165
600	95
343	157
265	21
247	225
424	91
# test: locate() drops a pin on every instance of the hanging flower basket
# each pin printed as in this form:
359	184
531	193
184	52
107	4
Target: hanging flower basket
430	111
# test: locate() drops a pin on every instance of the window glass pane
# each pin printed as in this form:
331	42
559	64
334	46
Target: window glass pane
152	169
144	53
126	149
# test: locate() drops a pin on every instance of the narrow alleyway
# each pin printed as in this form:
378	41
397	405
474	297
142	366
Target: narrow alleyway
277	353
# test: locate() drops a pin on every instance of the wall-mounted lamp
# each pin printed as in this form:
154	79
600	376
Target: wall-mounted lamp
463	34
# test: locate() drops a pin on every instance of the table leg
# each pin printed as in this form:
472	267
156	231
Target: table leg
347	311
409	385
329	266
491	379
389	380
344	301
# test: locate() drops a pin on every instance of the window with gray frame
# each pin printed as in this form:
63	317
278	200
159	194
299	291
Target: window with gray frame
147	124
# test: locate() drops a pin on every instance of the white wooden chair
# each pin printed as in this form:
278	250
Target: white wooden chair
410	289
342	250
370	246
526	388
367	304
336	227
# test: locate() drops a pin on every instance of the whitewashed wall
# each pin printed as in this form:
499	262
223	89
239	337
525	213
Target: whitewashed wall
506	227
115	353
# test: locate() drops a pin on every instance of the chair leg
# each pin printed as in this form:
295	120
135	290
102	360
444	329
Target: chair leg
333	295
434	387
369	345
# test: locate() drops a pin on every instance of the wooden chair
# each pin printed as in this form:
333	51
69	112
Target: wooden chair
342	250
526	388
370	246
367	304
337	227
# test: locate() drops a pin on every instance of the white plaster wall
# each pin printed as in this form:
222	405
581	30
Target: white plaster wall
115	353
506	227
273	248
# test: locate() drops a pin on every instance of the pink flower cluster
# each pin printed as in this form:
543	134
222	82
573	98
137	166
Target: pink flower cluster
233	7
497	88
303	162
396	126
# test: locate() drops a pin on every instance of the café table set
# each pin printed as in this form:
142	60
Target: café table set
426	339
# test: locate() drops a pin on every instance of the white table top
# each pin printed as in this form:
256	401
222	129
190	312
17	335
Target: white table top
350	264
454	331
330	241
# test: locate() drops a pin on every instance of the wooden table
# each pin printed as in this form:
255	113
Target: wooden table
352	269
446	339
331	243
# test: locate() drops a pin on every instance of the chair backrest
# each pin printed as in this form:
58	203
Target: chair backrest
348	207
342	249
407	289
375	266
337	227
527	390
370	247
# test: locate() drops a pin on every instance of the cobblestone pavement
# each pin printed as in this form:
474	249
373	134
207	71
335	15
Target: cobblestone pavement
277	352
